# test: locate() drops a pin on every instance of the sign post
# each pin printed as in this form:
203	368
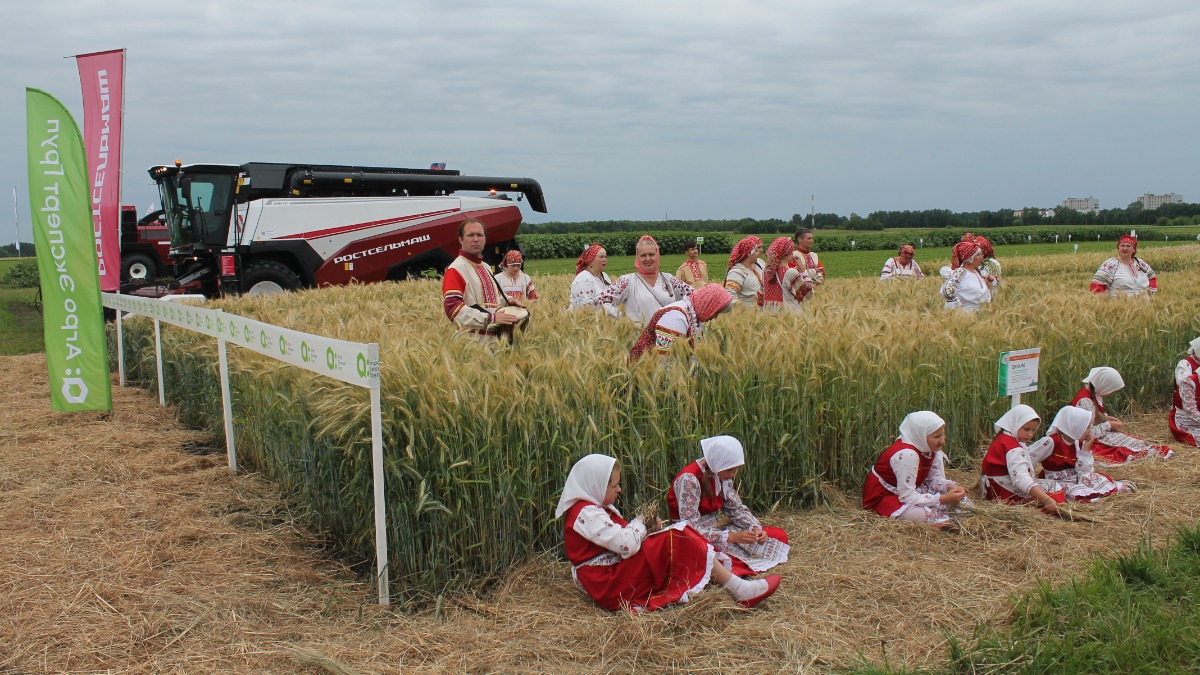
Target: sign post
699	244
1018	373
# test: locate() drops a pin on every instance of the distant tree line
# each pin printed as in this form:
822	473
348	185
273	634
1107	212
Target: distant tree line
10	250
1132	215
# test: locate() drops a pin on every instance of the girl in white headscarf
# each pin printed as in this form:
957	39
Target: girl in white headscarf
1070	462
1008	467
1185	410
704	490
909	480
1112	446
620	566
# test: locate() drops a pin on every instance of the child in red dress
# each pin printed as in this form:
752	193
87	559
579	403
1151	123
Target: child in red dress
619	566
908	480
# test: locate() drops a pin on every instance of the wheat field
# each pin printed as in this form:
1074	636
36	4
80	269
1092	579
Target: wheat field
478	440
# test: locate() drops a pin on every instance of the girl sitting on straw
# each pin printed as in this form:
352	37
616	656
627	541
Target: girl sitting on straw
619	566
1008	465
908	480
1070	462
1185	410
1111	446
704	490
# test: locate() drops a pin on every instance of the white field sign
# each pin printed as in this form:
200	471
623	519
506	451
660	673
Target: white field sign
351	362
1018	373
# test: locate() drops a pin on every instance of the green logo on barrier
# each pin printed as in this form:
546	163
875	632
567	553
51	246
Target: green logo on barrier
282	346
362	365
246	332
262	338
330	358
220	325
305	352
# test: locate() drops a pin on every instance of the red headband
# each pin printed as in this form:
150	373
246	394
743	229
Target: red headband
710	299
964	251
907	248
513	256
1130	239
588	256
741	250
781	249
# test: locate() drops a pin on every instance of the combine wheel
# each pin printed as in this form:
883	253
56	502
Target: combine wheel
138	267
267	277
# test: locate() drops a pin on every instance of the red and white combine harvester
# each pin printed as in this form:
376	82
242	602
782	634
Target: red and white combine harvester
266	227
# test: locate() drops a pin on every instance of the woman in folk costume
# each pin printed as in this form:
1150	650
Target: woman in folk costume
1111	445
908	481
783	286
515	283
902	266
965	288
743	276
644	292
1071	463
955	260
989	269
1126	274
1185	408
681	321
590	279
704	490
1008	471
620	566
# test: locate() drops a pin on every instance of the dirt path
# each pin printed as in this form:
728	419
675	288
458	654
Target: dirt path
122	551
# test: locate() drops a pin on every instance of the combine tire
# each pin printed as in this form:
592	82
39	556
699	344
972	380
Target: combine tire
267	277
138	267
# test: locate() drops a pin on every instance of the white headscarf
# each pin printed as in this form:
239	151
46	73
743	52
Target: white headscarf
916	428
1072	422
588	481
721	453
1104	381
1015	419
1194	348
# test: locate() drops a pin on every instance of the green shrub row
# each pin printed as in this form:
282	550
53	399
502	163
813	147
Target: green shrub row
551	246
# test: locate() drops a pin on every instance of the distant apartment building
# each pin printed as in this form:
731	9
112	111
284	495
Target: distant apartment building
1151	202
1082	204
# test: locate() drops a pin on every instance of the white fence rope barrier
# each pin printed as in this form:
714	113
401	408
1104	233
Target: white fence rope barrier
350	362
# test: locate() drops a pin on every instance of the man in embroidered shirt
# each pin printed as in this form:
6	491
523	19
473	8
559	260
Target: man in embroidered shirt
470	296
805	260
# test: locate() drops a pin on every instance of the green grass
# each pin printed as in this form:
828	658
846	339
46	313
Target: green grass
20	322
847	263
1136	612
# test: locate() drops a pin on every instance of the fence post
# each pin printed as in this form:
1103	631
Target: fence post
227	405
162	394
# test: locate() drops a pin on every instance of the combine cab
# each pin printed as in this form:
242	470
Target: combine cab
264	228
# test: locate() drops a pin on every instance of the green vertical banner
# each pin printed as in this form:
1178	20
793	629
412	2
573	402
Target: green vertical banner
76	353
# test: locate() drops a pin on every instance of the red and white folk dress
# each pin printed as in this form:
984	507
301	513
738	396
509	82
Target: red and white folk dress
620	567
1113	447
688	503
904	478
1007	473
1072	468
1185	409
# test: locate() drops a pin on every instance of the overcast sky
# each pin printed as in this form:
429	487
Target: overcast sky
640	110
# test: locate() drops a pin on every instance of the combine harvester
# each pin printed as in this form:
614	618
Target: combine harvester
267	228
